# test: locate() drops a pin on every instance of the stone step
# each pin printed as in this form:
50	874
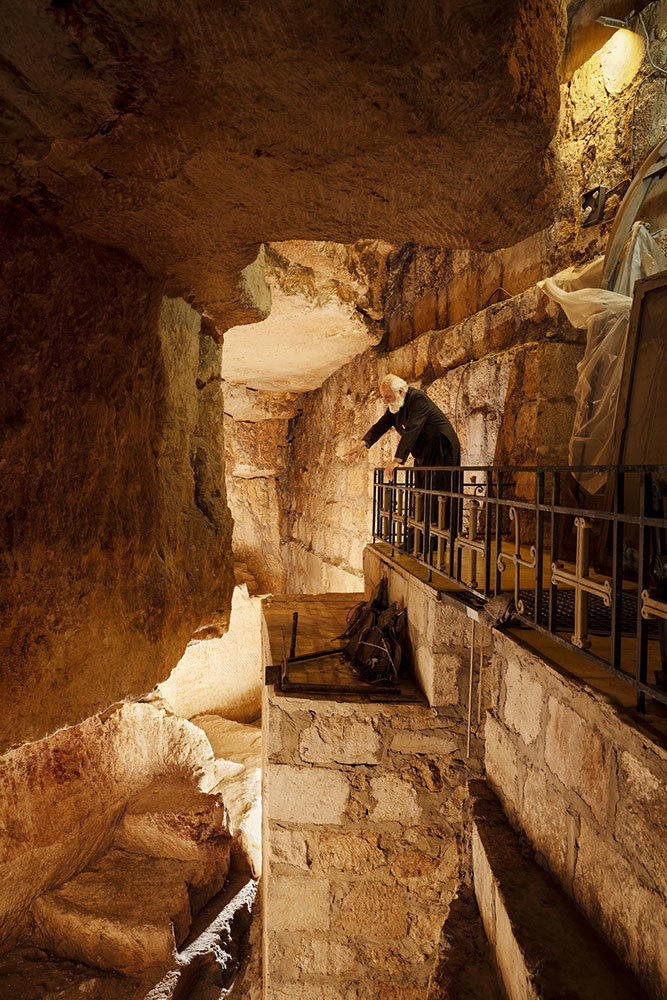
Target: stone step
544	947
171	819
127	911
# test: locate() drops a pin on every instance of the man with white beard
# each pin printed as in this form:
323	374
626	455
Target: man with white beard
425	431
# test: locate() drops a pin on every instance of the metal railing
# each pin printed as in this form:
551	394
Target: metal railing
589	571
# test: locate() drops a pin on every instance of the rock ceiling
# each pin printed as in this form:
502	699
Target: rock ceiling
188	133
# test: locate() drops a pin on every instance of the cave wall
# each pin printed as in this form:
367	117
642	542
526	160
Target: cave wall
62	797
115	530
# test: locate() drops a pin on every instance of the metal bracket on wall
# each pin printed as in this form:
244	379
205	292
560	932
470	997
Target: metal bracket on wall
592	205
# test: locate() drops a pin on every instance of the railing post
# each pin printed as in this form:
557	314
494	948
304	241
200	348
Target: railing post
555	531
406	508
539	543
426	537
499	531
617	571
645	506
390	519
487	534
375	505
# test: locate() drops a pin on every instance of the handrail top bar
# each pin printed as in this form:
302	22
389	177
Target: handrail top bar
526	468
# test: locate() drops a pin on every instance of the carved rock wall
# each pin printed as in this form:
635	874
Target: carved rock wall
115	531
61	797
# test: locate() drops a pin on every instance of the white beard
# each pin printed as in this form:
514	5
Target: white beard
400	399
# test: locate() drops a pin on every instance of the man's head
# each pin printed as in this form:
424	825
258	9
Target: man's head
393	390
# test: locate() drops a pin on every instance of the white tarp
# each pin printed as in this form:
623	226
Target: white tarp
605	315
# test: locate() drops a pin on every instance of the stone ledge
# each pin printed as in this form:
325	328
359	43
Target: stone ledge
532	925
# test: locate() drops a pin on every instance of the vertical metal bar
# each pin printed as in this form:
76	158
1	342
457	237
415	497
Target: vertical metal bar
295	625
472	664
487	535
459	529
390	521
479	679
499	531
645	503
555	525
453	514
617	571
539	544
375	503
427	522
406	506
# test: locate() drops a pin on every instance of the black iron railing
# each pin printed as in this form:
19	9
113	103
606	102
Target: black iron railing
589	571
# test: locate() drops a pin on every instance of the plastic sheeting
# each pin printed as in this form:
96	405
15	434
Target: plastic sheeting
605	315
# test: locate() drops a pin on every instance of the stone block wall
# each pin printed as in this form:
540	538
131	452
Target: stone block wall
505	378
361	844
587	787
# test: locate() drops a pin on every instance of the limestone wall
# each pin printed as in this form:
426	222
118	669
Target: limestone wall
584	783
588	788
61	797
504	376
115	538
362	810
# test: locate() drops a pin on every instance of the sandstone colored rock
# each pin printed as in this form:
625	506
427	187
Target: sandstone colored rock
423	743
500	760
170	819
158	166
577	755
339	740
349	851
298	903
395	800
241	791
524	701
81	778
126	912
305	795
119	539
380	911
221	675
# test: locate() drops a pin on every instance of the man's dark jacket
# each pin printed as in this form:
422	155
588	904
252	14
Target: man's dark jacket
425	431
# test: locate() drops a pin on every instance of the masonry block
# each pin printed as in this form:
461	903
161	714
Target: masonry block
576	753
380	910
395	800
501	762
298	903
305	795
641	817
524	701
335	739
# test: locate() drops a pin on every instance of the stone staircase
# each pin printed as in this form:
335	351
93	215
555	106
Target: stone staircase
134	905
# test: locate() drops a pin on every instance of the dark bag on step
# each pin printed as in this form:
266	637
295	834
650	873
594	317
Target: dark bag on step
376	633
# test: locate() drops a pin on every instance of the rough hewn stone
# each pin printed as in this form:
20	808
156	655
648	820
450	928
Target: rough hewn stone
578	756
395	800
310	795
117	531
339	740
297	903
379	911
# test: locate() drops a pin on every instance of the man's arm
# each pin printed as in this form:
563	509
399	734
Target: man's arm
418	415
384	424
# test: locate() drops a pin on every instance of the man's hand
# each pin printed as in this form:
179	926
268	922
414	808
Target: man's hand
354	453
389	469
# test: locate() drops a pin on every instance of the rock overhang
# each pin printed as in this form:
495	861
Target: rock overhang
189	135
